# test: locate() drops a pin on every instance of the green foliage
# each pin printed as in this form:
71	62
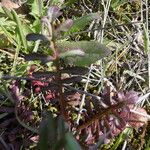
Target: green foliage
48	132
90	51
71	143
54	135
19	29
117	3
36	8
82	22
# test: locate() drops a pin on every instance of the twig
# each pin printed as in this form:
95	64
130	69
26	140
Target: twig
83	96
147	41
106	9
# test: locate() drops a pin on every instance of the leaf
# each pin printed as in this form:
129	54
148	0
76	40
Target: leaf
75	70
9	4
48	133
36	7
80	23
72	80
61	127
65	26
71	143
70	53
70	2
57	2
9	36
46	74
35	37
8	13
19	27
117	3
35	56
53	12
93	51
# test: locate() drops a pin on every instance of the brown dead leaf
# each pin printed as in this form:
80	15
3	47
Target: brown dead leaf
9	4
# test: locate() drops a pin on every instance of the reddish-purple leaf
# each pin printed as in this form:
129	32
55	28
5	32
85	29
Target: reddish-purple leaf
65	26
75	70
53	12
72	80
35	56
47	74
35	37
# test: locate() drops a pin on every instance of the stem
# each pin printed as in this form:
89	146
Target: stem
60	91
100	115
83	96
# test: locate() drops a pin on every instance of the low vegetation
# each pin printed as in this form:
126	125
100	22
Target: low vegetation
74	74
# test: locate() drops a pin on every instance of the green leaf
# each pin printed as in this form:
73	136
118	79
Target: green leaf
80	23
61	130
8	35
117	3
70	53
8	13
20	31
36	8
71	143
48	133
57	2
70	2
93	51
